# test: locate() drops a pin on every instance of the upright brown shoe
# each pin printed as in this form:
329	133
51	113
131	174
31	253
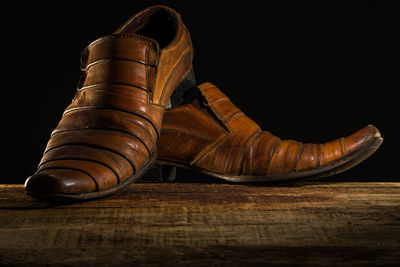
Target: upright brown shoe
212	136
107	136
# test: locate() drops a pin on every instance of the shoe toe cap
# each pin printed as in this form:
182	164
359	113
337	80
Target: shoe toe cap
59	182
362	138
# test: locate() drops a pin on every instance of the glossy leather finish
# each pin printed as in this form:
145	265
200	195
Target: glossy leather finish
213	136
107	136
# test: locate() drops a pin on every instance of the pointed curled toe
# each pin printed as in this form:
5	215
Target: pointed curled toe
107	136
211	135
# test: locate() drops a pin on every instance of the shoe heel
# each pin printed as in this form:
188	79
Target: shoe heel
188	82
159	173
168	173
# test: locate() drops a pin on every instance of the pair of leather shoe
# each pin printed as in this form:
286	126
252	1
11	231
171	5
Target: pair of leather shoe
117	125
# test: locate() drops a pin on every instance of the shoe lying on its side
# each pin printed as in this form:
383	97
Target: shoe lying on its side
107	136
212	136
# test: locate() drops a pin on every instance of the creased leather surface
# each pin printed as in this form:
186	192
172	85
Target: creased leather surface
226	141
110	129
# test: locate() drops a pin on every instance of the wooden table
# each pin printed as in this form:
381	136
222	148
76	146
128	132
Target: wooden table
193	224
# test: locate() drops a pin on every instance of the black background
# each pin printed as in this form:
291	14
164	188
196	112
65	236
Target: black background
307	71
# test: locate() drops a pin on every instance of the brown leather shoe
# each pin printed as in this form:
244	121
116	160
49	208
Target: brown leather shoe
107	136
212	136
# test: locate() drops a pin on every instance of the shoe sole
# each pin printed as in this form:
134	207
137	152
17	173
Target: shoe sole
330	169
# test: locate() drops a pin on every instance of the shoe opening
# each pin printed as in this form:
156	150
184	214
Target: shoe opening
159	24
194	97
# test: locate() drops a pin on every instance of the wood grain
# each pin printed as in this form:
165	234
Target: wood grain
179	224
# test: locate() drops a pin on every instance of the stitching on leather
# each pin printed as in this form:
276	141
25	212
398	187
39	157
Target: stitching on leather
186	132
94	147
344	150
105	129
208	149
211	115
173	72
108	84
135	122
158	105
209	85
271	154
219	99
118	36
244	150
75	109
298	156
116	59
83	159
319	155
183	77
219	116
255	145
147	70
237	114
112	37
